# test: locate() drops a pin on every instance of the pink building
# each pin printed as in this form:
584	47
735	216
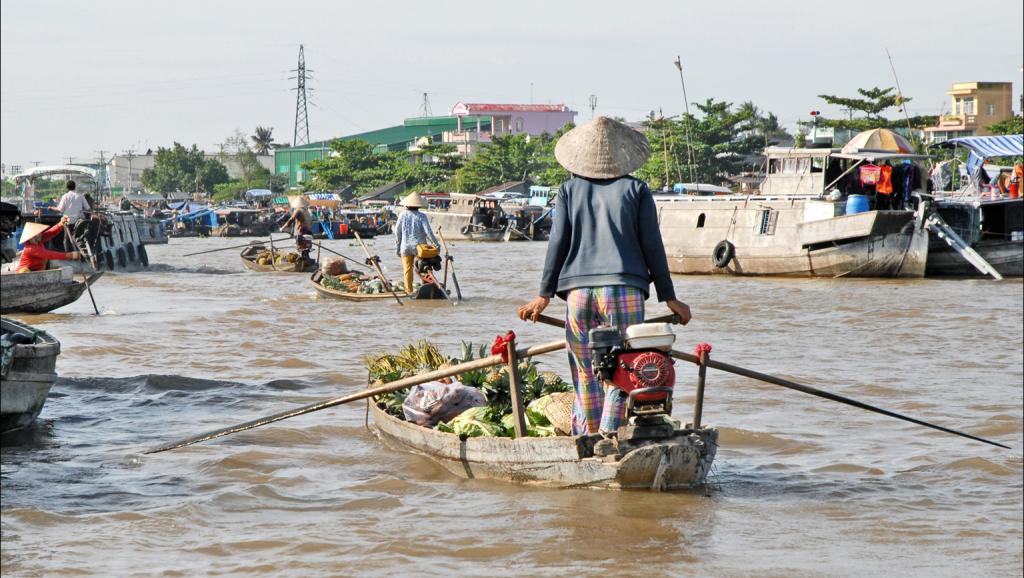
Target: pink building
532	119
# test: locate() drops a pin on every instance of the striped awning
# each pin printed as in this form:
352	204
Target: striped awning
984	147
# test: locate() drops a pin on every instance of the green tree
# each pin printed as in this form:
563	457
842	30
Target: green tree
1012	125
263	140
183	169
434	167
721	139
549	172
353	162
873	103
506	158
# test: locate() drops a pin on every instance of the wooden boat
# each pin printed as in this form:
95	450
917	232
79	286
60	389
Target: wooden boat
41	291
249	254
314	280
26	379
798	225
678	462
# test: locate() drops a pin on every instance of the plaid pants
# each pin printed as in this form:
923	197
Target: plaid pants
591	307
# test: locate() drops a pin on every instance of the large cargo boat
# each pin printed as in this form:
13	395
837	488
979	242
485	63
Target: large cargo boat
804	222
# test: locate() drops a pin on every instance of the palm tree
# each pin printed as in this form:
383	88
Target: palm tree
263	139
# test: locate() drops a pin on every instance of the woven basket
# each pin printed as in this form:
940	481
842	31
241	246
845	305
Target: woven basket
559	411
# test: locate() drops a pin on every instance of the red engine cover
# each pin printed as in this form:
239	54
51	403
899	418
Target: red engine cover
643	369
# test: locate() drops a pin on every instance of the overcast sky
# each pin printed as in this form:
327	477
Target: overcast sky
79	77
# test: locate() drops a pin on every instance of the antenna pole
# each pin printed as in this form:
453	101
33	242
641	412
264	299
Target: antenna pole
899	92
686	122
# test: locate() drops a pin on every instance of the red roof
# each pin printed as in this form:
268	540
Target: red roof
478	107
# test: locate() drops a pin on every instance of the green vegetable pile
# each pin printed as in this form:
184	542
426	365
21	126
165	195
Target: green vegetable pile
494	419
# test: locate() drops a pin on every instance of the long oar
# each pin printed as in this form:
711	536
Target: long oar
797	386
374	261
386	388
824	394
85	278
272	240
448	259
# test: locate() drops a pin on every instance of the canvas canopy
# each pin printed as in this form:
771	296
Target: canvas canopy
984	147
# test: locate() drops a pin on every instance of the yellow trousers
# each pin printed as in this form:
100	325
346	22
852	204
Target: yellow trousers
407	272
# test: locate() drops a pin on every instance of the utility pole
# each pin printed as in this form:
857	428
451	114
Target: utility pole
71	160
302	74
593	104
129	154
102	180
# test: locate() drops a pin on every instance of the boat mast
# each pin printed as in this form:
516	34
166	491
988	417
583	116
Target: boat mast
686	123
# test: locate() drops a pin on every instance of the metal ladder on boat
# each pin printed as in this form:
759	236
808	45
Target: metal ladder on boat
940	227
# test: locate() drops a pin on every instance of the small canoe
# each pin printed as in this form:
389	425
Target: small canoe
314	280
26	375
676	462
41	291
249	254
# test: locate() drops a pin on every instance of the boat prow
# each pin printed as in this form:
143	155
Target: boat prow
680	461
26	375
42	291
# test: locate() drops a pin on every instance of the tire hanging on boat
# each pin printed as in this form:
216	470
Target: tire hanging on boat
723	253
466	230
121	259
143	257
131	252
108	258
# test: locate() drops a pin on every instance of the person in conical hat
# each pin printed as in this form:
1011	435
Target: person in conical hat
302	223
411	229
35	256
604	252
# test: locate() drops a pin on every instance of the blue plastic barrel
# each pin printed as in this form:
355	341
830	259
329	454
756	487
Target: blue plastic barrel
857	204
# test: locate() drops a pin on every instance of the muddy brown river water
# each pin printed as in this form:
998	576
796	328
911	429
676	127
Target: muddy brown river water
801	487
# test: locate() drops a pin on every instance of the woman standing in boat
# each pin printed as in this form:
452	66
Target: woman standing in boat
411	229
605	250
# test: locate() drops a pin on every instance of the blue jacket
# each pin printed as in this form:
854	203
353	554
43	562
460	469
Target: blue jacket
605	233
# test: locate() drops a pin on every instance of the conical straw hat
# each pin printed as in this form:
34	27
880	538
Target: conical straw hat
299	202
31	230
412	200
602	149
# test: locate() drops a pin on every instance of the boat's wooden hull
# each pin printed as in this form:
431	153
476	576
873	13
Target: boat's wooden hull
347	296
40	291
26	382
680	462
796	243
1006	256
296	267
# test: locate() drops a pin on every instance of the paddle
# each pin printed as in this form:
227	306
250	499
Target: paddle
798	387
448	259
272	240
380	390
85	279
374	261
823	394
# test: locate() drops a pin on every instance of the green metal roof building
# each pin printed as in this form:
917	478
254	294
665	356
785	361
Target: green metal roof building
288	161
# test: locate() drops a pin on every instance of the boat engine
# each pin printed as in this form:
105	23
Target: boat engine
639	365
